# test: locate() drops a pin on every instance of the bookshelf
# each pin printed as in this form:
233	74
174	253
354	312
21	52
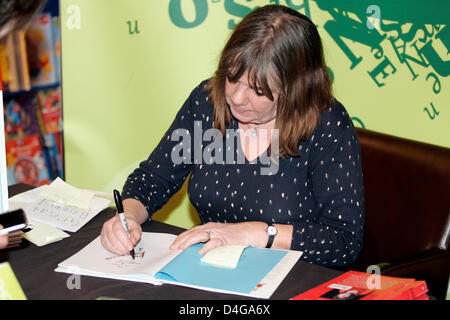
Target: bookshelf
30	79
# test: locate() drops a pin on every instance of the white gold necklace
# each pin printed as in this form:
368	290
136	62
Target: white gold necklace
255	131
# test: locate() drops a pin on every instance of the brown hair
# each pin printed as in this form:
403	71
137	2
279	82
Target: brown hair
18	13
276	43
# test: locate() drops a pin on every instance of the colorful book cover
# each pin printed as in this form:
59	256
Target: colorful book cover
41	55
3	65
354	285
20	49
25	161
54	162
2	83
20	116
13	76
410	291
50	105
57	46
10	288
3	171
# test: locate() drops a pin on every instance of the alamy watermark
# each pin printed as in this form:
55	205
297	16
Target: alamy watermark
192	150
374	281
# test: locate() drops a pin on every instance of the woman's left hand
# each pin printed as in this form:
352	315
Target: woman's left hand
249	234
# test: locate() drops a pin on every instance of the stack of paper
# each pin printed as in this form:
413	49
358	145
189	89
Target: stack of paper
59	205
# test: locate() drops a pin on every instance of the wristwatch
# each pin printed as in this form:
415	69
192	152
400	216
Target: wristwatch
271	232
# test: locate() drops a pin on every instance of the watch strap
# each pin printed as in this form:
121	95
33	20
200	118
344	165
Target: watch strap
271	238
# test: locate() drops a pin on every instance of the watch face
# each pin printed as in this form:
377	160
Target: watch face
271	231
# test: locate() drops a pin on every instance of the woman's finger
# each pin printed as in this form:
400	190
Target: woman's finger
211	244
188	239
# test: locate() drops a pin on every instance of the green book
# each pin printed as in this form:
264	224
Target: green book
10	288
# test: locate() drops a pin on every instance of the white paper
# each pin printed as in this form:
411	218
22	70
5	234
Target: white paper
66	218
43	234
151	254
66	195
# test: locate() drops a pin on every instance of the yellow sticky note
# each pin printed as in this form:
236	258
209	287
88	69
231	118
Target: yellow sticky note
224	256
43	234
10	288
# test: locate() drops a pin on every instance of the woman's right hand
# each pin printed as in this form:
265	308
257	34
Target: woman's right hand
114	238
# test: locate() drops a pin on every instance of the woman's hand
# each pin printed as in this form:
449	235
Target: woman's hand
3	240
114	238
249	234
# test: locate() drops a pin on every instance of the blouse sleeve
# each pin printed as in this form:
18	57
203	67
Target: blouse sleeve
160	176
333	237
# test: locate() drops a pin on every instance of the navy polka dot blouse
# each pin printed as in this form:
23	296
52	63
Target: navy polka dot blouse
319	192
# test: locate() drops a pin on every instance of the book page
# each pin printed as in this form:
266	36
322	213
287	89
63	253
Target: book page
151	254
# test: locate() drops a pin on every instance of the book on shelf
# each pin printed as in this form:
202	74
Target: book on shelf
3	168
48	111
20	116
25	161
3	74
14	62
10	64
41	51
30	77
50	107
31	58
24	116
56	28
354	285
258	273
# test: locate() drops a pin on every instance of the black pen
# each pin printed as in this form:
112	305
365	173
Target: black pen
119	207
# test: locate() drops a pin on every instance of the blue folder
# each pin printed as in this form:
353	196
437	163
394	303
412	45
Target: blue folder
253	266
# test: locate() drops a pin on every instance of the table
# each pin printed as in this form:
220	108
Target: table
34	268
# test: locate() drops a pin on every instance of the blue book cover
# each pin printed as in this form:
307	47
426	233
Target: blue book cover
254	264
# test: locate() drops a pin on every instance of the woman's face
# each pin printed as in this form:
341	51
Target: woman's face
246	106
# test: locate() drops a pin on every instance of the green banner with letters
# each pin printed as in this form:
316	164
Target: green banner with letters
128	66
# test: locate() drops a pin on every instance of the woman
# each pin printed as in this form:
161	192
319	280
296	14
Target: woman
273	90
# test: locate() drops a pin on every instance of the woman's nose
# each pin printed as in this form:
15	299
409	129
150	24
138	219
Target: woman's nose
239	95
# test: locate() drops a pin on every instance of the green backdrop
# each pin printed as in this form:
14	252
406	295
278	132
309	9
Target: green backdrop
127	67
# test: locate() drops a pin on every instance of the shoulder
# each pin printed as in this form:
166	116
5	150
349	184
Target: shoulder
335	117
334	121
199	98
200	94
335	129
197	107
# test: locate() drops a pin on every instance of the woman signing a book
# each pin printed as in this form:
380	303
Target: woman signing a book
272	157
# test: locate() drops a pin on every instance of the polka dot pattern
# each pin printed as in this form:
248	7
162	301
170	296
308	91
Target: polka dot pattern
320	192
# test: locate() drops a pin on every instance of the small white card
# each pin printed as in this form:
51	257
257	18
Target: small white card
224	256
43	234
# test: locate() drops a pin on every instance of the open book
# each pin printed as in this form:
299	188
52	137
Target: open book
258	273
